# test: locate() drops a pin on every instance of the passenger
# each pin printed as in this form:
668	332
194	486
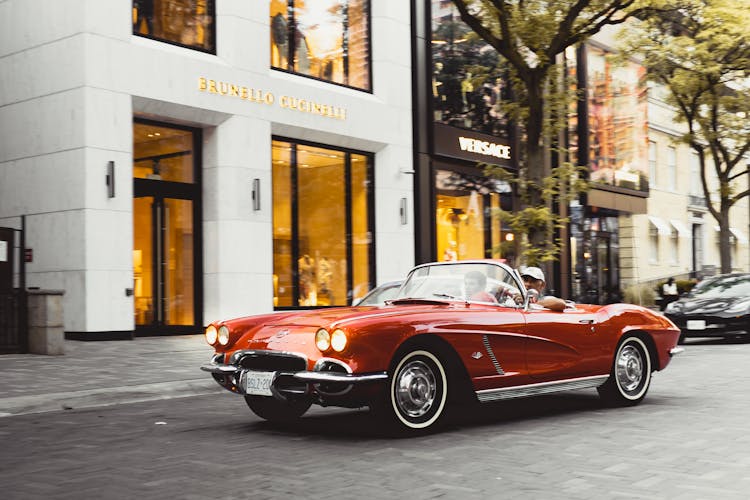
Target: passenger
475	283
533	279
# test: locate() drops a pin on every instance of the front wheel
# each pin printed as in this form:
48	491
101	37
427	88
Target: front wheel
631	374
274	410
417	391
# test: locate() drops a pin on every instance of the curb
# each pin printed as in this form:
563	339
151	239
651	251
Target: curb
23	405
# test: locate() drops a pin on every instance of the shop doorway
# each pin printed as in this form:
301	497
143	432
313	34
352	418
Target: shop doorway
166	237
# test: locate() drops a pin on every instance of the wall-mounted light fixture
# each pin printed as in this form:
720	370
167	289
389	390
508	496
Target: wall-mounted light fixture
402	212
110	179
256	194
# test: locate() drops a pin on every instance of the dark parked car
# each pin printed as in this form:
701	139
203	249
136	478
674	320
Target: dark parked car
717	307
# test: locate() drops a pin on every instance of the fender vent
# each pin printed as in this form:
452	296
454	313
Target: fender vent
491	354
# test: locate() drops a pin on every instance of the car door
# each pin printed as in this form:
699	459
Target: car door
562	345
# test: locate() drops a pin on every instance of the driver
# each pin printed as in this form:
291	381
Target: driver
533	279
475	283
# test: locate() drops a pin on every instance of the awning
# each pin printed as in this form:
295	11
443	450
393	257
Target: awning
738	235
661	226
682	229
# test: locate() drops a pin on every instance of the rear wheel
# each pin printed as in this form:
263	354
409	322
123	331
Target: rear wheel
631	374
275	410
417	391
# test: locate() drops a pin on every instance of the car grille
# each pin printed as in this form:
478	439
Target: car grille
271	361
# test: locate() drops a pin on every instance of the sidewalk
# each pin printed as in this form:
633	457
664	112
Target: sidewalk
105	373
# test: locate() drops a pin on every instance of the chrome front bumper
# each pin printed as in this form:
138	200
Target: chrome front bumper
675	351
231	378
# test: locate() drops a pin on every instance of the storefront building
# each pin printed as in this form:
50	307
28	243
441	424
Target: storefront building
180	161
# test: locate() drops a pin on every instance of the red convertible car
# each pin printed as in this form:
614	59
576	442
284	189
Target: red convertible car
433	348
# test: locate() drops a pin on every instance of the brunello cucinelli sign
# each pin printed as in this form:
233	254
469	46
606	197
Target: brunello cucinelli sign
472	146
268	98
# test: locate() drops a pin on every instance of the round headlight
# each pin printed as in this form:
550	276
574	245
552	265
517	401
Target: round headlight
223	335
211	334
338	340
322	339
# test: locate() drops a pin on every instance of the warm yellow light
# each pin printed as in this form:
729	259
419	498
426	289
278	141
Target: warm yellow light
223	335
322	340
338	340
211	334
509	237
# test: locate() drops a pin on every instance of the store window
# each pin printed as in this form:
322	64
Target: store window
324	39
323	249
468	76
189	23
467	219
617	118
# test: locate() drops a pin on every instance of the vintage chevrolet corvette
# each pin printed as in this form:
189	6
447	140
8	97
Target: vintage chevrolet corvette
433	348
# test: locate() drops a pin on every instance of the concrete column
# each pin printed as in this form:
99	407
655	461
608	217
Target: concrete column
46	334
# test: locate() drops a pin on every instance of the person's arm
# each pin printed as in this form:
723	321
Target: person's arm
552	303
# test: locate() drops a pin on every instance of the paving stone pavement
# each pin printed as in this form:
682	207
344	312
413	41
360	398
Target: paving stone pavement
100	373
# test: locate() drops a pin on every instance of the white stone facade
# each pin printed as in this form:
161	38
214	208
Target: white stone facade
73	77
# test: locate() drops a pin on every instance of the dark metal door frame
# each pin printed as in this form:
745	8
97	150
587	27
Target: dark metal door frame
14	328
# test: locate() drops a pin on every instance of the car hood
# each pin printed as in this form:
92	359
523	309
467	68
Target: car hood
698	306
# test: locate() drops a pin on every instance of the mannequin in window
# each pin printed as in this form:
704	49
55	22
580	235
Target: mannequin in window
325	273
306	277
467	89
144	12
280	38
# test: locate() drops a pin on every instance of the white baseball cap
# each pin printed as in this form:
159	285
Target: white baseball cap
534	272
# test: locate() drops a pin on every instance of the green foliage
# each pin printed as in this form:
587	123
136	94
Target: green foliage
640	294
702	58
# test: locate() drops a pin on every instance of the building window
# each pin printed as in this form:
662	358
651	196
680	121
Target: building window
653	244
617	118
324	39
696	189
323	252
468	76
675	244
468	225
189	23
671	168
652	167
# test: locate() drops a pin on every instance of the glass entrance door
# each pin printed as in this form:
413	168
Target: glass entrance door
163	259
166	229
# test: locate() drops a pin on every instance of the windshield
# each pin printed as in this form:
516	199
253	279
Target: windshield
469	281
728	286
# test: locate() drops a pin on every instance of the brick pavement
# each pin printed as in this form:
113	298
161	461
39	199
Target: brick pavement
103	373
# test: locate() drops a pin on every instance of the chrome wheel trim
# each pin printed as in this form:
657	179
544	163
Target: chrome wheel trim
418	389
415	389
632	368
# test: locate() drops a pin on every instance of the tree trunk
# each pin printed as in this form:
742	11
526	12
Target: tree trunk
725	248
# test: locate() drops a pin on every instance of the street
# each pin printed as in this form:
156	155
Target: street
687	440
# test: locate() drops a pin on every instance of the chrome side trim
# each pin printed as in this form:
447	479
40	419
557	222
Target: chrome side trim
220	368
524	391
491	354
676	350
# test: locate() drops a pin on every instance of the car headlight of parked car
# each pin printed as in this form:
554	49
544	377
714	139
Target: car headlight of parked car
211	334
740	307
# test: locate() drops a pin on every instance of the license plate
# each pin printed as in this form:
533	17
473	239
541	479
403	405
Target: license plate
696	324
259	383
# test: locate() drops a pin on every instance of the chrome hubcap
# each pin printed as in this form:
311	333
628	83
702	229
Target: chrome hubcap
416	389
629	368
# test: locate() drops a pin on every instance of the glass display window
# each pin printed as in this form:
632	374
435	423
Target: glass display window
468	225
617	122
322	225
324	39
468	76
162	153
189	23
